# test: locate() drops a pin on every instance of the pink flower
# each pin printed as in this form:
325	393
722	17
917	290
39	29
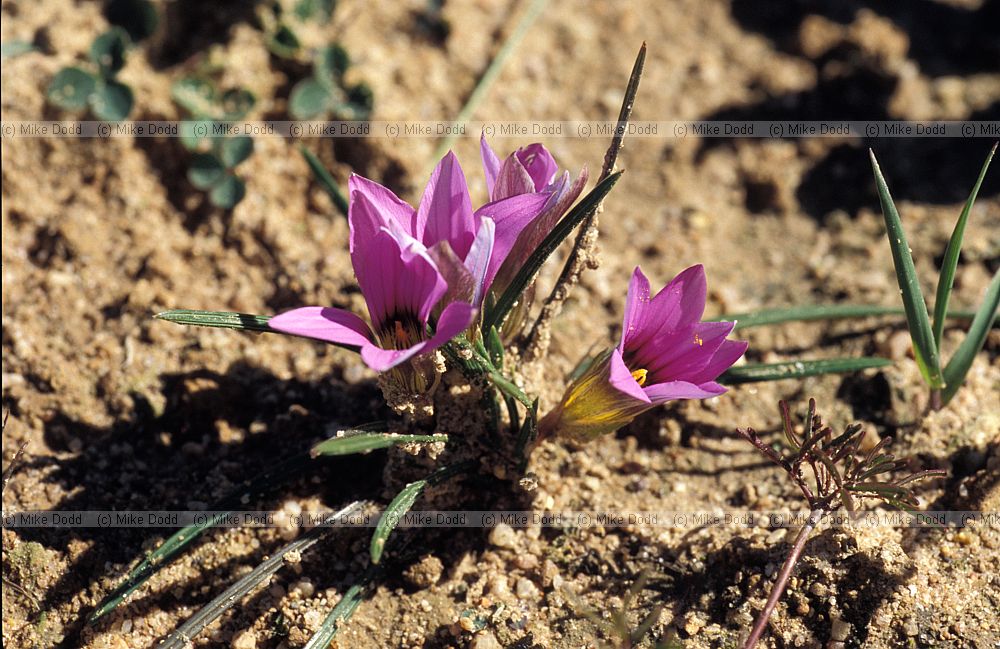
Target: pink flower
530	169
666	353
423	272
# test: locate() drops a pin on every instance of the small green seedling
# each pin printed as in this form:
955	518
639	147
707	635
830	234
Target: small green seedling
326	93
926	335
108	99
215	154
279	23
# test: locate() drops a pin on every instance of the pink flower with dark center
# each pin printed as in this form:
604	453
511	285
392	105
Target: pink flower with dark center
665	353
423	272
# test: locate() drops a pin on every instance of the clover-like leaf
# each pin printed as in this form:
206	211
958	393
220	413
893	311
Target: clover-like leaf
359	104
236	103
195	95
310	98
71	88
330	64
283	42
234	150
228	192
206	170
111	101
108	51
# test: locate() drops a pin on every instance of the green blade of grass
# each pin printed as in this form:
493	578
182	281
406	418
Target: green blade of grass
947	277
753	373
362	442
403	502
183	635
182	538
343	610
222	319
810	312
495	316
917	318
326	180
958	366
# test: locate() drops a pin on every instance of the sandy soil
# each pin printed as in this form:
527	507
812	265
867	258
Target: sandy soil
120	411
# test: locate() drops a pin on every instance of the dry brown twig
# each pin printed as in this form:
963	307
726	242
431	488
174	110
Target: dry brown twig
584	252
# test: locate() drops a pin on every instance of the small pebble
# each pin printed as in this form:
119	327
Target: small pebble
525	589
485	640
304	588
503	536
246	639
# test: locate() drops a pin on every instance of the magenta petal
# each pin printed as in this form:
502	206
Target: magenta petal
511	216
662	392
636	304
512	180
679	305
539	163
445	212
397	279
491	164
478	260
381	360
680	355
323	323
728	353
456	318
622	379
384	202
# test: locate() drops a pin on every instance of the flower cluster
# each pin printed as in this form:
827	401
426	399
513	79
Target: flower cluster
426	273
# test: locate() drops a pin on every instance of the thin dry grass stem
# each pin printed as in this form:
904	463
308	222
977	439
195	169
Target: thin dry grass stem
584	252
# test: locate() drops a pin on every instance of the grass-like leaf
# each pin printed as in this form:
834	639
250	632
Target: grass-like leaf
342	611
326	181
753	373
947	277
222	319
917	318
958	366
182	538
403	502
185	633
363	442
586	206
810	312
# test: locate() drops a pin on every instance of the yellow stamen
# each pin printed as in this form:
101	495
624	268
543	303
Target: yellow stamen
402	338
698	340
639	376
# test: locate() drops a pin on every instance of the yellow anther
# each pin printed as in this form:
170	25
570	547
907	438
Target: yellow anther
698	340
402	339
639	376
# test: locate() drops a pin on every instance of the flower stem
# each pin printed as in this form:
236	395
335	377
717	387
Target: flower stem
782	581
936	401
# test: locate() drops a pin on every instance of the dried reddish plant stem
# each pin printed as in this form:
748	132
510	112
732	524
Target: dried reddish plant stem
584	252
782	581
936	402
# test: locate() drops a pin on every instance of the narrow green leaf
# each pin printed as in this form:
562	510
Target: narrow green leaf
753	373
10	49
185	633
223	319
326	181
810	312
343	610
403	502
588	205
918	321
182	538
364	442
495	347
947	277
958	366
